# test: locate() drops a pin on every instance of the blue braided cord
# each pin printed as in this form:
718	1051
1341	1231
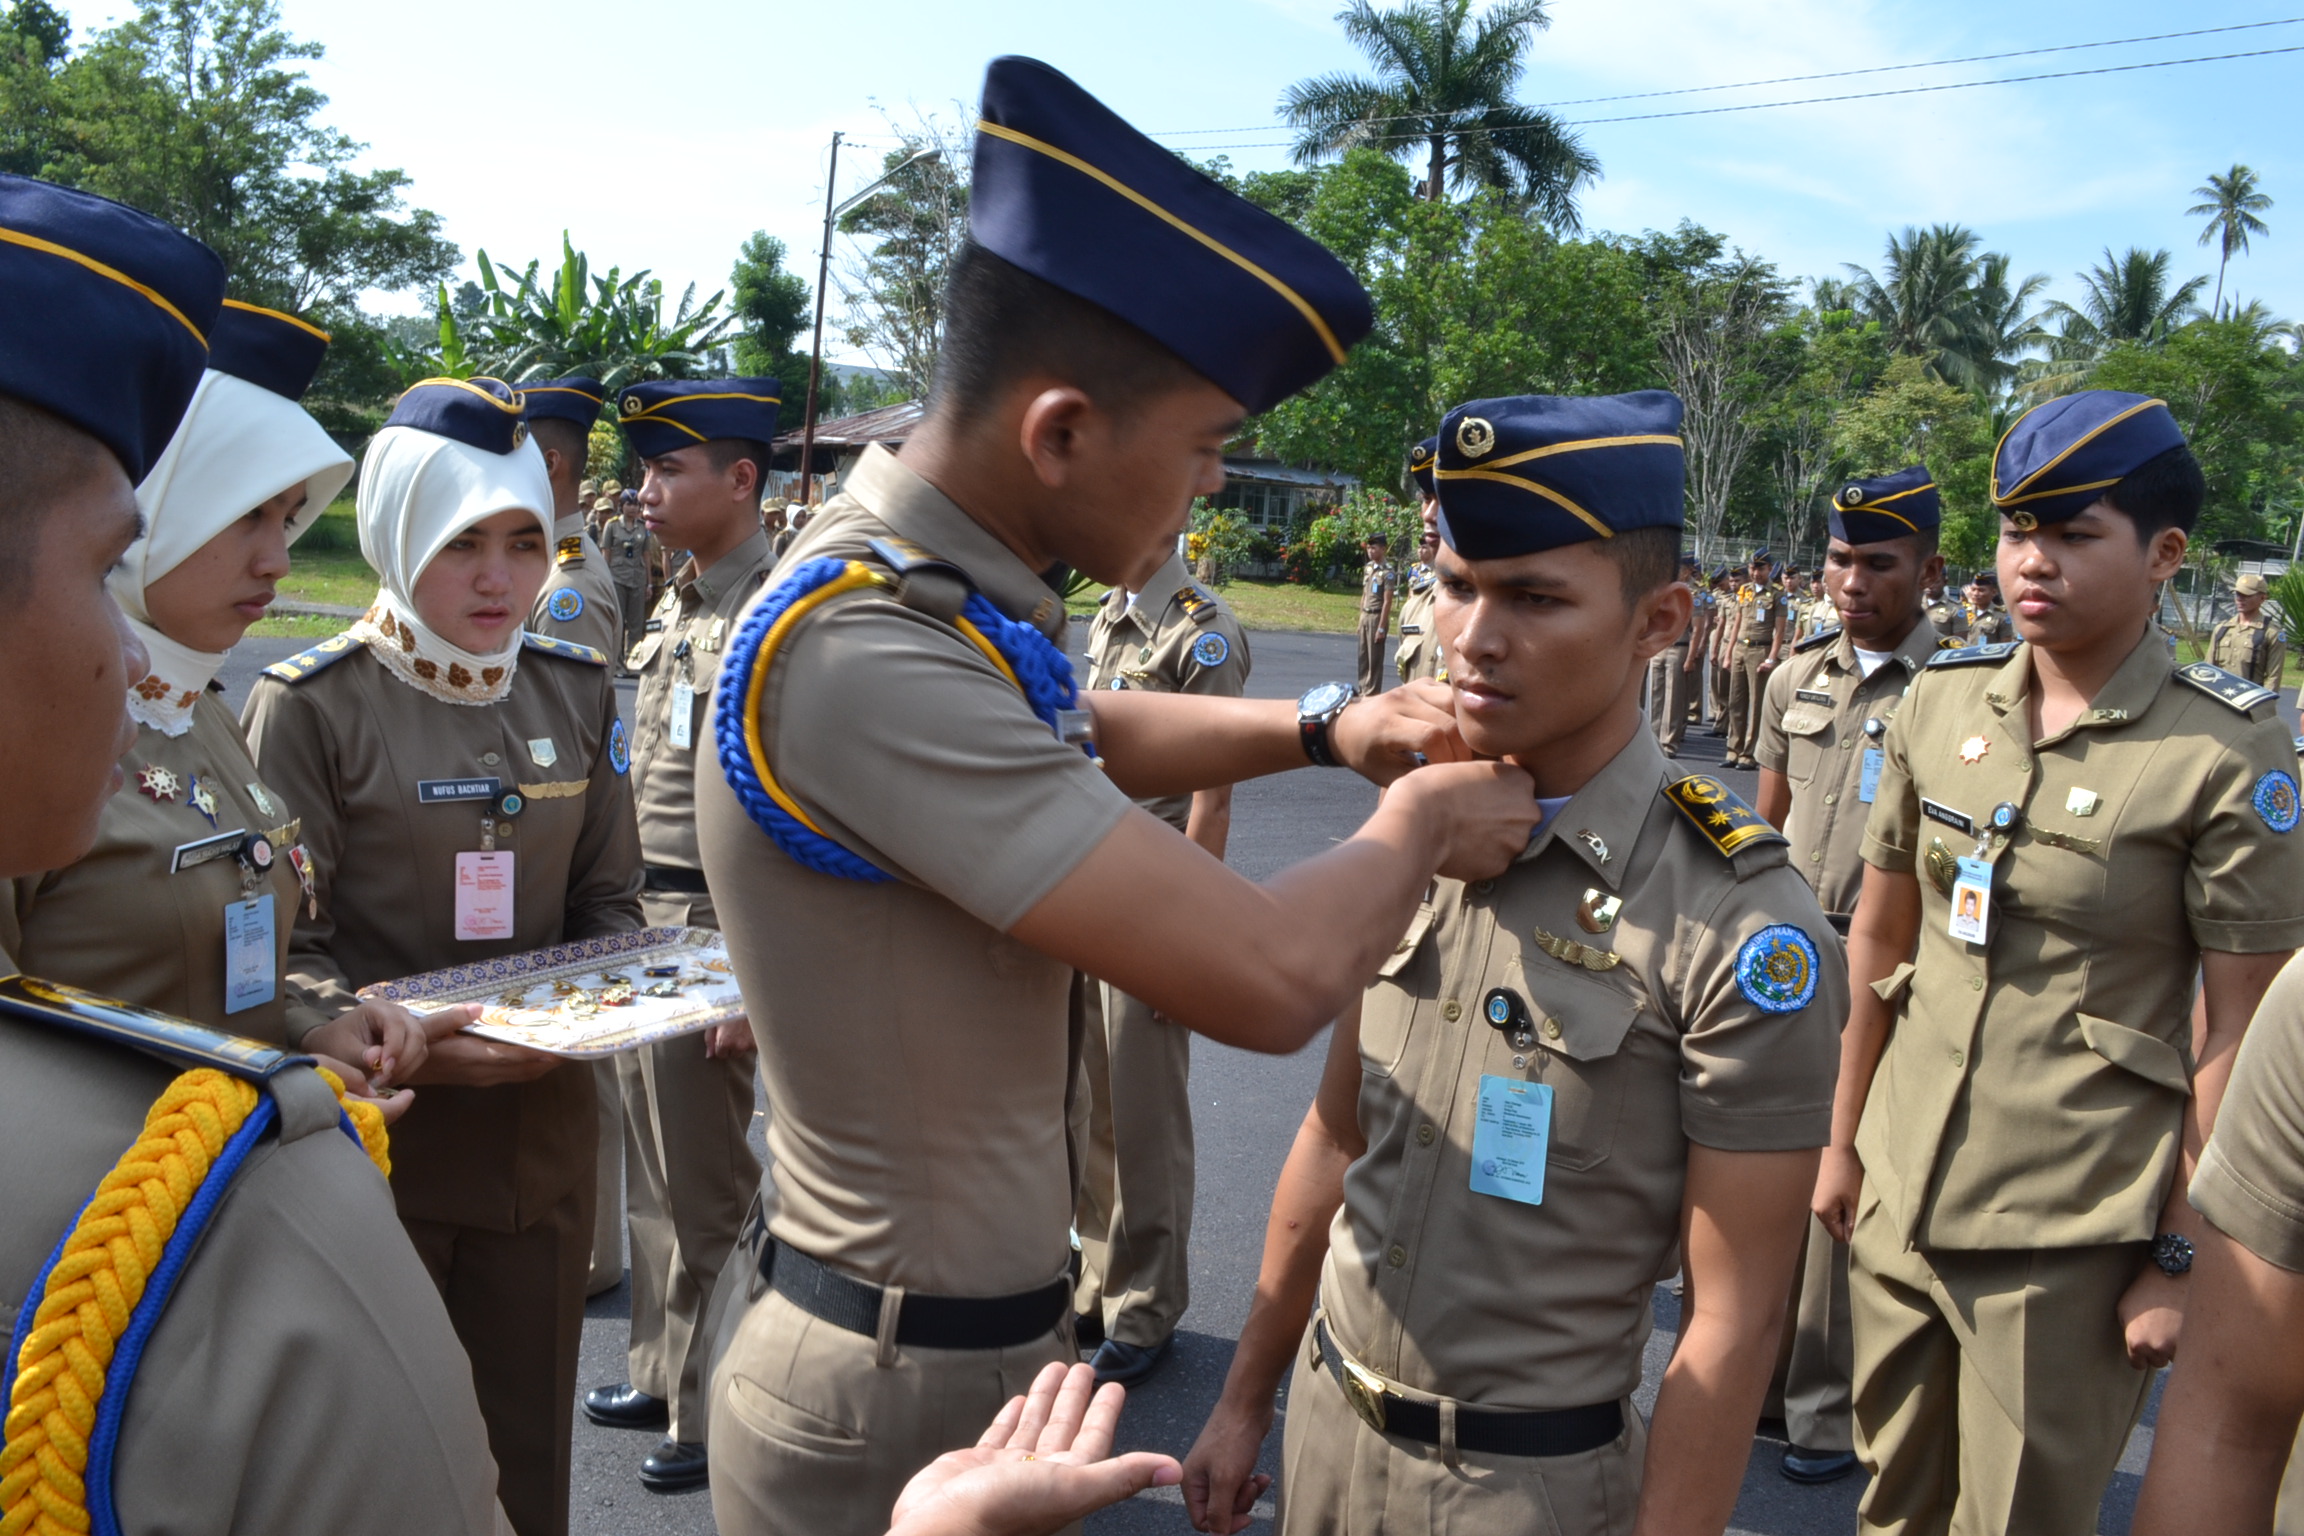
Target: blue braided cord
808	848
1044	670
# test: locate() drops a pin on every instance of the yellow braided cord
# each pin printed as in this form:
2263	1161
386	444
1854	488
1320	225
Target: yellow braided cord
92	1292
368	1120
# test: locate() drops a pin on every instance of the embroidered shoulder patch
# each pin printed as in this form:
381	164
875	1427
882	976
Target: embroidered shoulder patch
1820	638
2219	684
619	752
1211	649
1776	969
1969	655
564	604
2275	800
1713	809
303	664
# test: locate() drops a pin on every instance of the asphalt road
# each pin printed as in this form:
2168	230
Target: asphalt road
1246	1109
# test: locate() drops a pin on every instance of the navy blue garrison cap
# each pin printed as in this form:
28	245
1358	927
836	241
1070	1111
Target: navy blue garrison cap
577	400
665	415
1889	507
1421	460
1067	191
1533	472
2060	458
269	349
478	412
106	316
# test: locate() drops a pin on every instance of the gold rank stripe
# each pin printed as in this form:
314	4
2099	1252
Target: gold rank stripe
1714	810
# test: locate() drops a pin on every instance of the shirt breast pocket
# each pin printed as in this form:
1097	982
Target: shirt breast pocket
1581	1025
1388	1007
646	650
1807	738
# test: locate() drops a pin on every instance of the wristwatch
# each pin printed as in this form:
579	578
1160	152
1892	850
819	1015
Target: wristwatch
2172	1251
1315	712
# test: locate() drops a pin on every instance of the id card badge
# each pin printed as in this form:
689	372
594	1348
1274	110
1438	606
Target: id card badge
484	895
1509	1138
251	951
682	732
1972	901
1869	785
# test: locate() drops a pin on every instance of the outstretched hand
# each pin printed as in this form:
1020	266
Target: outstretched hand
1388	734
1044	1463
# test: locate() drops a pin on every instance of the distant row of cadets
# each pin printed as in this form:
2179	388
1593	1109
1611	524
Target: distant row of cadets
1977	1027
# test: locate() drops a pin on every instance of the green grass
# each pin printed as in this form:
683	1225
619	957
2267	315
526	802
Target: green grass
296	628
1273	605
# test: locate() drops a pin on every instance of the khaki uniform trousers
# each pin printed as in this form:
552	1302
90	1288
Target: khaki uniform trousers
1341	1478
1993	1393
516	1300
1669	685
1135	1208
1372	630
608	1194
632	602
816	1430
1720	675
1747	686
1819	1357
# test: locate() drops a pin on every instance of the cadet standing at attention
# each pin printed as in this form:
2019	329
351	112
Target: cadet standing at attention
1418	656
1375	612
1822	730
688	1101
1171	635
633	556
286	1267
1672	674
1623	1043
1945	614
463	791
2246	645
1988	622
2068	832
912	855
579	602
1760	635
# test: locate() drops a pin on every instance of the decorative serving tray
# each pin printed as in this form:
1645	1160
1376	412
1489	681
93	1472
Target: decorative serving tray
593	997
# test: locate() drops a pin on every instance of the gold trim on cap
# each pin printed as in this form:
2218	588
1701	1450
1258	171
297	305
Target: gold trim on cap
1544	491
281	314
564	389
512	407
2078	443
1303	306
51	248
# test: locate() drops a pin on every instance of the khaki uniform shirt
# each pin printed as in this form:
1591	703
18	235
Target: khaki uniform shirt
683	644
2250	1181
1178	637
1419	653
1491	1301
1949	617
918	1062
302	1326
1758	611
1817	729
1375	587
353	744
1989	626
2031	1094
120	922
579	598
2252	649
631	550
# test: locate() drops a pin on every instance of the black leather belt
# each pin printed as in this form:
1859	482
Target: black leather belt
925	1322
1544	1432
689	882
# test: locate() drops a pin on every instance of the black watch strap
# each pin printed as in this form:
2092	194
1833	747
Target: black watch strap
1314	731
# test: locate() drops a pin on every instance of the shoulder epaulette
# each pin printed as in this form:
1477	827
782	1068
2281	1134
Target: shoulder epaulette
1421	578
1822	637
925	582
533	641
1713	809
2219	684
569	551
1199	607
1969	655
303	664
144	1029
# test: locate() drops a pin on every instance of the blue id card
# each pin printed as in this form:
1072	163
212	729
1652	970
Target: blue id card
1870	785
251	949
1509	1138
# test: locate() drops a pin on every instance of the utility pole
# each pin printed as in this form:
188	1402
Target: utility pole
816	348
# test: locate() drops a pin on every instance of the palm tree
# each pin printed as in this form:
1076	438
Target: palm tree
1942	298
1443	87
2002	323
2124	300
2232	202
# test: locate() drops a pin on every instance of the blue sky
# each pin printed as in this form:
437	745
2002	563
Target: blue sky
660	136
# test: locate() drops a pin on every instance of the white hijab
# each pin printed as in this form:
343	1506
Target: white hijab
238	446
418	492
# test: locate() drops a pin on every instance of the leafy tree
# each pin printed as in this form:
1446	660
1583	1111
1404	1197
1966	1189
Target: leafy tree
775	309
1443	89
895	293
2232	202
2125	300
1912	417
1838	358
34	37
1943	298
1718	342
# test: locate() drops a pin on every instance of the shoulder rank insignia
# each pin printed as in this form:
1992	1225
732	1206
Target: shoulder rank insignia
569	551
533	641
303	664
1199	607
2217	683
1713	809
1969	655
144	1029
1821	637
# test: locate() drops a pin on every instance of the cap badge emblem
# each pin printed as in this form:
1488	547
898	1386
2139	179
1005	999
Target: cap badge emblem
1474	437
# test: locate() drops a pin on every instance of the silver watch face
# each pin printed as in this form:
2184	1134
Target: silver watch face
1326	699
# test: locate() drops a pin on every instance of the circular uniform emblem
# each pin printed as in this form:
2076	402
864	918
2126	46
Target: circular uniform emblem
619	754
1776	969
2276	801
519	433
1474	437
1117	685
1211	649
1499	1009
632	405
564	604
1852	497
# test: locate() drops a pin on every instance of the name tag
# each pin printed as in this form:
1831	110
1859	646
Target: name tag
484	895
192	855
251	947
1870	784
1959	820
1509	1138
682	731
1411	629
435	791
1972	901
1813	696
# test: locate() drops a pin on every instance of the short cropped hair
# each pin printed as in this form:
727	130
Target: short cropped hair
721	452
1646	558
562	436
2163	492
1002	325
42	458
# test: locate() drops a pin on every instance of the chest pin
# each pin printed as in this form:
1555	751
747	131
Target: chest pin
1596	913
1973	749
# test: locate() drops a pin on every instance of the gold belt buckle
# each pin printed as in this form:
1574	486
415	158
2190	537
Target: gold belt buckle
1364	1390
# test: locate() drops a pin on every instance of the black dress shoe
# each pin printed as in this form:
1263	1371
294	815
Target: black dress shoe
1803	1465
1088	1329
1129	1364
624	1406
679	1466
